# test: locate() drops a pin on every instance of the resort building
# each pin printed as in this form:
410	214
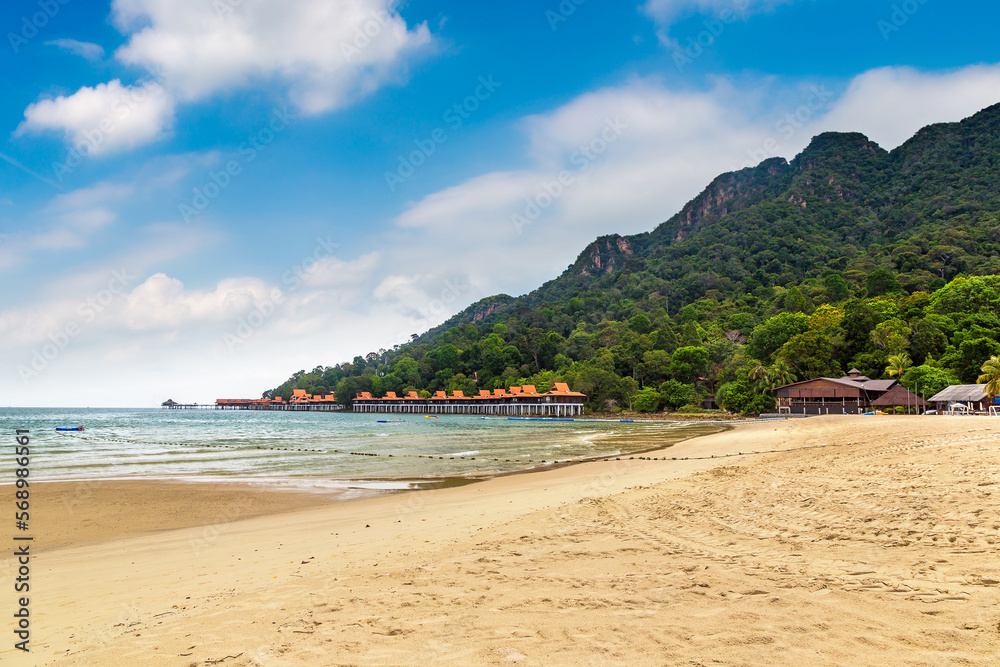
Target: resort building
299	401
850	395
523	401
962	398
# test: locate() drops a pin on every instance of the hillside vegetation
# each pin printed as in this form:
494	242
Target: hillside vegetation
848	256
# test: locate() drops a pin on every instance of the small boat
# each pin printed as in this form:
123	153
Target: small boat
69	428
430	416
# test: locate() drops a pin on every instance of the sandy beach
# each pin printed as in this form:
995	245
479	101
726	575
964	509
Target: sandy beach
870	541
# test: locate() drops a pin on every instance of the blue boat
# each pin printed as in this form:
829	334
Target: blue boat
69	428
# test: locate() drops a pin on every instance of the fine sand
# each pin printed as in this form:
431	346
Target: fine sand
880	548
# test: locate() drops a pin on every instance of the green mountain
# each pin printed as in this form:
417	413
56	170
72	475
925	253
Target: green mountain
846	256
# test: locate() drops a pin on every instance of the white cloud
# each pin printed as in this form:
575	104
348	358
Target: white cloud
667	12
890	104
107	118
335	273
472	200
78	214
72	219
323	54
86	50
326	53
162	303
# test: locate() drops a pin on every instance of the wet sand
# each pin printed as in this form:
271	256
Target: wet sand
90	512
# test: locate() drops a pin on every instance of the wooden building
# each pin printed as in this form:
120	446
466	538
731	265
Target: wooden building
972	396
300	401
849	395
517	402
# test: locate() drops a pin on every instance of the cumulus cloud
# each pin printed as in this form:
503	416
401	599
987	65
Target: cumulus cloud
326	53
890	104
322	54
104	119
87	50
335	273
161	302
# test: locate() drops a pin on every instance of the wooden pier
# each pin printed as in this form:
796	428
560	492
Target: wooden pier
173	405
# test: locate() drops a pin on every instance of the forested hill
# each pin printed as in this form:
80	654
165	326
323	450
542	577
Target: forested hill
846	232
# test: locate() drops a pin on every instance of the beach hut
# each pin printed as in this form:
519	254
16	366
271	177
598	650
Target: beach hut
900	396
972	396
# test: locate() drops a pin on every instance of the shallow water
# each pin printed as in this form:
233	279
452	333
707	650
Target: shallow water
267	447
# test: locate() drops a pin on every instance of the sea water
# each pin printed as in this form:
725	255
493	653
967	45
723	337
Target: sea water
310	450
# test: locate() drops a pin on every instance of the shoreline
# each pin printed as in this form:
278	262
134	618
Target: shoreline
101	506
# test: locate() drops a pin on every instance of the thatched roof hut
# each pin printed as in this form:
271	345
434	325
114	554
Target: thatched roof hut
972	395
899	396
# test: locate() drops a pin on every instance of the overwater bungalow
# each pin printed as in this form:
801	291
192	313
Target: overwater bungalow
524	401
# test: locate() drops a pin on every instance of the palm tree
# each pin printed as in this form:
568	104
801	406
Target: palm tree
776	376
784	373
757	373
898	364
991	376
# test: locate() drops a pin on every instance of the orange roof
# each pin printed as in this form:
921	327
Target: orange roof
529	389
391	395
298	392
562	389
499	392
484	393
515	390
458	394
439	394
413	394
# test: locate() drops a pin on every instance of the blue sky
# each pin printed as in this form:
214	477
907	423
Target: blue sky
197	199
